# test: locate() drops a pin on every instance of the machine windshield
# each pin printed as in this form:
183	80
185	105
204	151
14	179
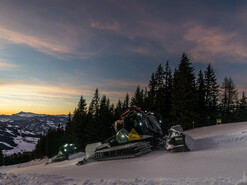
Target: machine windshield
137	122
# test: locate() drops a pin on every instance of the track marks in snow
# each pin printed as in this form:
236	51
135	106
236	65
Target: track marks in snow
35	179
221	141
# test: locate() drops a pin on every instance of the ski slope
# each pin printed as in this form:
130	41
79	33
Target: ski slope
219	156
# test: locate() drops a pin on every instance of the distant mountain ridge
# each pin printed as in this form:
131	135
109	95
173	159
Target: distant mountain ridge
20	132
27	114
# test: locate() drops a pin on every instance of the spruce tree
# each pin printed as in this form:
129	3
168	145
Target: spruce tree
243	107
243	101
200	86
168	87
1	158
79	123
229	94
119	109
106	119
69	128
145	100
94	105
211	95
126	102
184	94
159	90
138	98
160	77
69	117
92	133
152	93
82	107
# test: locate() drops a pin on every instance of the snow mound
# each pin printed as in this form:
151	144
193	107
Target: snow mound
233	139
33	162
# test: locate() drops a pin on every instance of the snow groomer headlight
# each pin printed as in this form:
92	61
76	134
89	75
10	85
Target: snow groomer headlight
122	136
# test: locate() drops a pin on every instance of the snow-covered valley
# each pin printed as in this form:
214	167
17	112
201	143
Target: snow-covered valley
219	157
20	132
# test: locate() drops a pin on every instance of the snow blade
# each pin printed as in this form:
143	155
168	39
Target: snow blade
176	141
90	151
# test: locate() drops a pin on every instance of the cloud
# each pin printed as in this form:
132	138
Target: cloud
211	42
8	67
51	46
20	90
130	30
38	92
115	26
17	95
20	38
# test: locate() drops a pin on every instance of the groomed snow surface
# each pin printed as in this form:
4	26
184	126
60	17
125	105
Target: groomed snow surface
219	156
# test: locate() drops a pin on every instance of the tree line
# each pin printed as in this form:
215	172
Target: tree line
189	99
176	97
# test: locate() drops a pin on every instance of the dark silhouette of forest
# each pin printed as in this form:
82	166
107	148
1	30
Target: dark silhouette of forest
176	96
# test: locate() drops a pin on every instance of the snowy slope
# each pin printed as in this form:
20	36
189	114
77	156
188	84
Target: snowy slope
219	157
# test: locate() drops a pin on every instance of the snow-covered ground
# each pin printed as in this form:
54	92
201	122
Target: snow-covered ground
24	144
219	156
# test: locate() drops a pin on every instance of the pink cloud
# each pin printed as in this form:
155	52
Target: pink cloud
155	35
20	38
55	46
8	67
211	42
42	93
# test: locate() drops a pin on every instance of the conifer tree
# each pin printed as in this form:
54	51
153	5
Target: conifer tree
92	133
243	107
159	90
126	102
152	93
184	94
145	100
200	86
167	92
211	94
160	77
112	109
243	101
69	128
82	107
119	109
168	75
79	123
229	94
138	98
69	117
1	158
106	119
94	105
68	124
